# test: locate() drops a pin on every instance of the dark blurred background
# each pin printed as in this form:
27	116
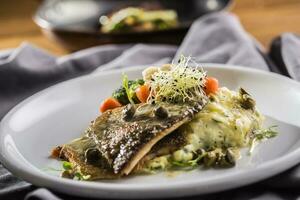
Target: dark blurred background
264	19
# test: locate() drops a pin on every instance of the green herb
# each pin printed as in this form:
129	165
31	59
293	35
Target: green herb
67	165
126	86
190	163
262	135
133	85
52	169
266	133
72	172
121	93
81	177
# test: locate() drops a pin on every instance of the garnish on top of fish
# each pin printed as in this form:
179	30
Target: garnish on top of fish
175	118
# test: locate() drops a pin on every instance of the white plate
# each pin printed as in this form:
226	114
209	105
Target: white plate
60	113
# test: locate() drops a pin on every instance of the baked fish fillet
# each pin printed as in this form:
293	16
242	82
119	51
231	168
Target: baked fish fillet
119	138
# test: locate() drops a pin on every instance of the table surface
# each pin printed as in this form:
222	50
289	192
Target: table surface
264	19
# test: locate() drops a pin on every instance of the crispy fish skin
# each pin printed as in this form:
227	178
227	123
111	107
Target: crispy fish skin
123	143
167	145
74	152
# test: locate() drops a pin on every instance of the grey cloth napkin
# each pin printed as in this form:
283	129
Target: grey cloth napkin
285	53
215	38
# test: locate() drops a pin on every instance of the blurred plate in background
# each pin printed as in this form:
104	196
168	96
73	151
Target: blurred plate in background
75	23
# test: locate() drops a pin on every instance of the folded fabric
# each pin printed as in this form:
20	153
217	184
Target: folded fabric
215	38
285	52
220	38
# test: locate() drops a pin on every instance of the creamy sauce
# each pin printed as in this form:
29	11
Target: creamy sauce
222	124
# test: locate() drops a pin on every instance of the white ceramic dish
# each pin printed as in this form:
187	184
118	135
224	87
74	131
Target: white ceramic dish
60	113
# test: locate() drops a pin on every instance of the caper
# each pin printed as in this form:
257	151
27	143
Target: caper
200	152
246	101
92	156
161	112
212	98
242	92
229	157
210	159
219	157
128	112
67	174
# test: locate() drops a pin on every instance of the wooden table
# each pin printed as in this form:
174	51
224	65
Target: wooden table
264	19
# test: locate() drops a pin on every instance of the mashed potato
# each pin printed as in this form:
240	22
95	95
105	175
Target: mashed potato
225	123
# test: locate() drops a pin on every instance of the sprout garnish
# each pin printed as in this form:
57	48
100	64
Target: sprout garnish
182	83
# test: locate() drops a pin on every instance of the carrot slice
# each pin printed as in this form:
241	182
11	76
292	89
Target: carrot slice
142	93
109	103
211	85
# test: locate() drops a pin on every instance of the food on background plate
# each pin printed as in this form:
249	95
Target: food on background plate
175	118
134	19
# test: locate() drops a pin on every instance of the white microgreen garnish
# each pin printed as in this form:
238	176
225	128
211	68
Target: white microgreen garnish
181	83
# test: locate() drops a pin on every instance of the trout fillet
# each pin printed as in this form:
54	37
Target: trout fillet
123	143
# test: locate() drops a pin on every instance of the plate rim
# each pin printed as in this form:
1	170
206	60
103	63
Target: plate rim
108	190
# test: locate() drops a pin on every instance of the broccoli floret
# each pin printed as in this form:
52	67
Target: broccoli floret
120	93
140	81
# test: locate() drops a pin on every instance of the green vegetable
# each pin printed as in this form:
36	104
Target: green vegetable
262	135
128	87
191	163
67	165
71	172
138	19
129	92
266	133
121	96
119	27
160	24
79	176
